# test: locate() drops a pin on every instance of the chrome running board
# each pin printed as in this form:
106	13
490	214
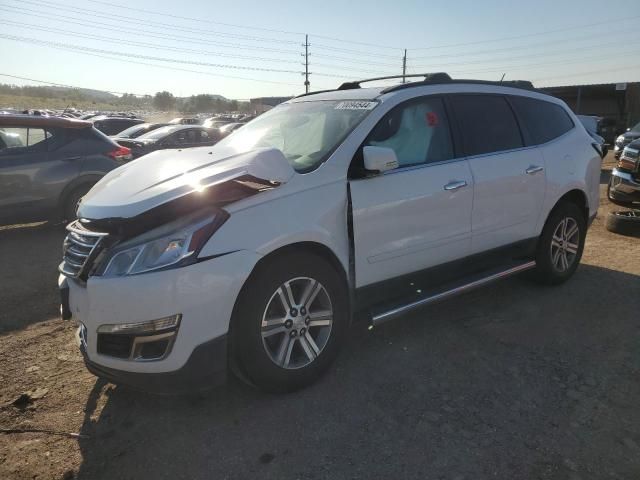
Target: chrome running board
384	316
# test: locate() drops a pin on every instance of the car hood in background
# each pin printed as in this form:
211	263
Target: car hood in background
166	175
134	142
632	135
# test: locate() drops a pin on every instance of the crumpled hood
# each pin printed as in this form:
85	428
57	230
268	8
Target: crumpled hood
166	175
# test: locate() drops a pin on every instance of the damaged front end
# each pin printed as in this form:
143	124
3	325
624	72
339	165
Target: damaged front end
170	234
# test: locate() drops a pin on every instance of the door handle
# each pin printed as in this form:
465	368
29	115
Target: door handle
455	185
70	159
533	169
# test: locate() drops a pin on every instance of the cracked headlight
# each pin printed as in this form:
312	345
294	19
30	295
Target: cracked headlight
172	245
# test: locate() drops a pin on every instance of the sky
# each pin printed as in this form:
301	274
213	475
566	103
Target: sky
243	49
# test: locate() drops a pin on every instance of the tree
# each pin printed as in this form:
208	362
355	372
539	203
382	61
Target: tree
164	101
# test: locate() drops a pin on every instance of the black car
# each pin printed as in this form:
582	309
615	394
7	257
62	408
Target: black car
171	136
626	138
138	130
114	125
47	164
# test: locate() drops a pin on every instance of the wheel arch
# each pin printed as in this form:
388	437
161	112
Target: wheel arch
316	248
319	249
577	197
81	181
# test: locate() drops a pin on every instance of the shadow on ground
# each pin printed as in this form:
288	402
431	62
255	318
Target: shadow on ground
513	381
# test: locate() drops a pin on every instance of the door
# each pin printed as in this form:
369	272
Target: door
418	215
509	178
34	169
187	138
206	138
22	152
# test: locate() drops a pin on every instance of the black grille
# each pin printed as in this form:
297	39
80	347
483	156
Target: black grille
115	345
79	250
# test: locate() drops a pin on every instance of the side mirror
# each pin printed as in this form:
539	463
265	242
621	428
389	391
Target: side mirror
379	159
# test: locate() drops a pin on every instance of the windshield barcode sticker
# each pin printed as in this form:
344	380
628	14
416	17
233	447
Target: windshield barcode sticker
353	105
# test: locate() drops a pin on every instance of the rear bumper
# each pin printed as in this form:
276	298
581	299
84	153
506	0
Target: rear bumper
205	369
624	190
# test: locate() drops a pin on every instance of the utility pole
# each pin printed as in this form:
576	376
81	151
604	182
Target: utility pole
404	66
306	63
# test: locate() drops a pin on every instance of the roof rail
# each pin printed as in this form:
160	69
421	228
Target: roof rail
313	93
428	77
523	84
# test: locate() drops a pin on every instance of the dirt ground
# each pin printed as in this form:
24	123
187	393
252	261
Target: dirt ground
513	381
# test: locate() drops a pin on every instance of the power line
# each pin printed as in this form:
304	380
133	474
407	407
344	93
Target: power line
95	13
520	47
111	4
141	10
629	67
84	11
520	57
544	64
326	37
359	52
144	44
132	55
161	35
514	37
355	60
67	86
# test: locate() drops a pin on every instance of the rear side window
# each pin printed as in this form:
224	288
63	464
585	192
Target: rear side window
418	132
542	121
22	139
487	124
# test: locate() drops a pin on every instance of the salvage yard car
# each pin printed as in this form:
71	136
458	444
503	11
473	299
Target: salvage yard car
259	251
48	163
625	139
170	136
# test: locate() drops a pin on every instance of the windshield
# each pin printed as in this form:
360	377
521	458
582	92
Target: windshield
636	127
132	132
306	132
160	132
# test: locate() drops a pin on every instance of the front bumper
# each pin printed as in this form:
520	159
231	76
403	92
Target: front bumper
205	369
624	189
204	294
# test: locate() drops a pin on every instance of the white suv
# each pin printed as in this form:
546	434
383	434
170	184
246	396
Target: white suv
257	252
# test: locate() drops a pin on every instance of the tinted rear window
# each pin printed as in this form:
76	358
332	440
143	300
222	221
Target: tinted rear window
487	124
542	121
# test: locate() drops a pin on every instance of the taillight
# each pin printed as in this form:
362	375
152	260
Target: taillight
122	153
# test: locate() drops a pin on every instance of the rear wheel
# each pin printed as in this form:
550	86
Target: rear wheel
561	244
289	322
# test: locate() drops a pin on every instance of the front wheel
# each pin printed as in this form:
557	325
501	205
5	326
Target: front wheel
289	322
72	201
561	244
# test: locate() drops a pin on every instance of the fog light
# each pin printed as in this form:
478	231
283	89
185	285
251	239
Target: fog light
144	328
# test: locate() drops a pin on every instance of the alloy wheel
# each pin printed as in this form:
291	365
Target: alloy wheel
564	244
296	323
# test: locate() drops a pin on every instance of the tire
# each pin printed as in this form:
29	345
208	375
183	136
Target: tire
264	346
625	222
561	244
71	201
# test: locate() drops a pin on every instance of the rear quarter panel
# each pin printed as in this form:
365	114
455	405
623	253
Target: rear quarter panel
571	164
